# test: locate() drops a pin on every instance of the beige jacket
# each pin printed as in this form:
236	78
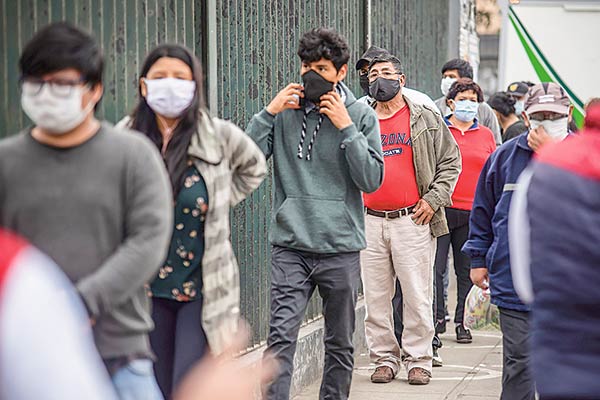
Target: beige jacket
437	162
232	166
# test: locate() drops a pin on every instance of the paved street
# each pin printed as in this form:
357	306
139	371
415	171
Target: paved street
471	371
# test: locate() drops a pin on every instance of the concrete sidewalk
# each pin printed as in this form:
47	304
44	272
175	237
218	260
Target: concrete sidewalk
470	371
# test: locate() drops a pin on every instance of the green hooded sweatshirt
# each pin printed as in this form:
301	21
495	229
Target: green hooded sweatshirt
317	204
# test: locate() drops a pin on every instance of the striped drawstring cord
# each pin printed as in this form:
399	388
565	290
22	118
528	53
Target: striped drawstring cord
302	134
312	139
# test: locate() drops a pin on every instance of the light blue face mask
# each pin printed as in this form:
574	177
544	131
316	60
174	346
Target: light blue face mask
519	107
465	110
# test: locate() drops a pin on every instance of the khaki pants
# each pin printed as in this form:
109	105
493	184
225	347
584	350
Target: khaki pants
398	248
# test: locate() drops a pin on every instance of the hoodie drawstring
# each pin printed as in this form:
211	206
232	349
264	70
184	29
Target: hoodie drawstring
303	136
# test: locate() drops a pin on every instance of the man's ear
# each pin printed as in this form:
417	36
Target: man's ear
343	71
571	112
402	79
94	95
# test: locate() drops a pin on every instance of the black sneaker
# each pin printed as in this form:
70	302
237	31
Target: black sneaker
463	335
440	326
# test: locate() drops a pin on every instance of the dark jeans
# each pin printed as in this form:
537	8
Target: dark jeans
517	381
458	224
178	340
294	277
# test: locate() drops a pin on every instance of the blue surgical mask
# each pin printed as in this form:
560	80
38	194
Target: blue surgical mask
519	107
465	110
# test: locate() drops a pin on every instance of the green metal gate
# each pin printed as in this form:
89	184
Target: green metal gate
417	32
256	57
126	30
248	48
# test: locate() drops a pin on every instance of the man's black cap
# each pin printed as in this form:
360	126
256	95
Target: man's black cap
371	53
517	89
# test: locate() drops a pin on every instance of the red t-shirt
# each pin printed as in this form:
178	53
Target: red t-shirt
399	188
476	144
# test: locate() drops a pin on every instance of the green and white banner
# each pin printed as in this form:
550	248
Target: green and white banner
543	68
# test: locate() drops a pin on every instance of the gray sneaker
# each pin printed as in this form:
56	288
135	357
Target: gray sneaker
437	360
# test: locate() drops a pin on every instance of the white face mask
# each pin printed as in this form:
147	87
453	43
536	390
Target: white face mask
446	84
557	129
519	107
56	115
169	97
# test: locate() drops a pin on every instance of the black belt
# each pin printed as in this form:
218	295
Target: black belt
391	214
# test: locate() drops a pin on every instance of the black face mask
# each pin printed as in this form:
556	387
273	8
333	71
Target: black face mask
384	89
315	86
364	84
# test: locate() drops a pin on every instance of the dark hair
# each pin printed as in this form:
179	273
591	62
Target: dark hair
61	46
324	43
143	119
463	67
462	85
388	58
503	103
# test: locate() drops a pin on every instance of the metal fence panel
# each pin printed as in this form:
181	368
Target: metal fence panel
256	57
416	31
256	44
126	30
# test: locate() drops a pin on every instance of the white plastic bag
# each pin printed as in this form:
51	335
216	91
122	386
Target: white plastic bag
480	313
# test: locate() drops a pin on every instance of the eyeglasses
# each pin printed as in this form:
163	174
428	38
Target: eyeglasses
58	87
384	74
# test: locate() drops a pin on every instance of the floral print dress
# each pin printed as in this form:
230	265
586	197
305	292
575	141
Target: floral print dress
180	277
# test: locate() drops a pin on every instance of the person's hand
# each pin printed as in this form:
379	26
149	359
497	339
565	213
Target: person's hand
537	138
422	213
331	104
289	97
226	377
480	278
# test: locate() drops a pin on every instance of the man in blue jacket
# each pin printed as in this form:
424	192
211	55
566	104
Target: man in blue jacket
326	150
547	108
555	258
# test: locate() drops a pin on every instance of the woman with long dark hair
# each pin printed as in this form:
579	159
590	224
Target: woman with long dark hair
212	165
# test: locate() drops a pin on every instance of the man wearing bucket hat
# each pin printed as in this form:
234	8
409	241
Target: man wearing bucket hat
547	106
547	109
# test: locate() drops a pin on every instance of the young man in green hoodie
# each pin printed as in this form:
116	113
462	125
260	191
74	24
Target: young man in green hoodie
326	149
